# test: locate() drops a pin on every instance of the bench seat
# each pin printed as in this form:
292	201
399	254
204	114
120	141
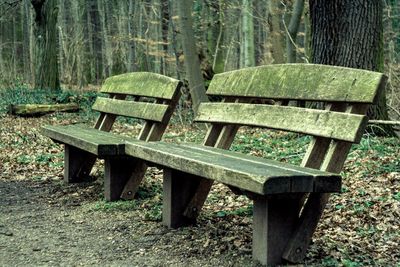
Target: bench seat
99	143
148	97
249	173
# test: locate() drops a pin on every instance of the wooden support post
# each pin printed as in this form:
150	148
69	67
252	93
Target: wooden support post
178	188
132	185
116	173
77	164
274	219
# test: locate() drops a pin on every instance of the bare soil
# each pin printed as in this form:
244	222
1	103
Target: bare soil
41	225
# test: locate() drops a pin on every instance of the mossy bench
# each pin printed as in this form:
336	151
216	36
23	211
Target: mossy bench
288	200
146	96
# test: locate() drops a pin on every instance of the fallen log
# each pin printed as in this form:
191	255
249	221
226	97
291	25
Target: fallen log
41	109
384	122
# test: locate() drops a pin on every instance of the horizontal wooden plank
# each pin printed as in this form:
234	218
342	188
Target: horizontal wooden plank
134	109
97	142
300	82
336	125
142	84
249	173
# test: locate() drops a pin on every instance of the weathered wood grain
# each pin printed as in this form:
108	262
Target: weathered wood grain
117	170
335	125
133	109
141	84
74	171
151	131
332	160
273	221
106	121
220	136
96	142
178	188
299	82
252	174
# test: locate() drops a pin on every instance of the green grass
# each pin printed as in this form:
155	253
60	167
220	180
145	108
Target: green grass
105	206
273	145
245	211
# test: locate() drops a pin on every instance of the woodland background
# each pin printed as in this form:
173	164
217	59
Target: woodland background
46	222
95	39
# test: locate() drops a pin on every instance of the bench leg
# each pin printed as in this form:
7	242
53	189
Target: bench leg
117	172
132	185
273	222
178	190
77	164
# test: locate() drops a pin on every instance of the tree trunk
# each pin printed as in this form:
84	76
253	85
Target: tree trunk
350	33
165	19
218	28
292	31
131	43
106	53
26	22
277	41
192	64
46	63
248	34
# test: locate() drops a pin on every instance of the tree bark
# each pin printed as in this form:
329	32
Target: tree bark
26	22
131	43
277	41
46	62
349	33
192	64
248	34
292	31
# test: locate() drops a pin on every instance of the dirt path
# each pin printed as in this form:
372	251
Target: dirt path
38	229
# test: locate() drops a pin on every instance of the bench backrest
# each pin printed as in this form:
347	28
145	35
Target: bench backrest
346	94
152	98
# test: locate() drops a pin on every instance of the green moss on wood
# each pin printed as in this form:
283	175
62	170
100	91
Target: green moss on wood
299	82
140	110
141	84
336	125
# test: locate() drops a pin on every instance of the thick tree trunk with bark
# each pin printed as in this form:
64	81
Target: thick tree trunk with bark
350	33
46	63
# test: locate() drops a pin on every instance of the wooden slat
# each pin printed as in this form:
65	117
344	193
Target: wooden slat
300	82
142	84
258	175
97	142
140	110
321	123
319	145
333	161
220	136
106	121
151	131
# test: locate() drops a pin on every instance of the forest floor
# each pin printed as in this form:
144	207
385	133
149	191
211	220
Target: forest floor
46	222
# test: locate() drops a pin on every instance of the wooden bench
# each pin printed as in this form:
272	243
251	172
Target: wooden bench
288	200
147	96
